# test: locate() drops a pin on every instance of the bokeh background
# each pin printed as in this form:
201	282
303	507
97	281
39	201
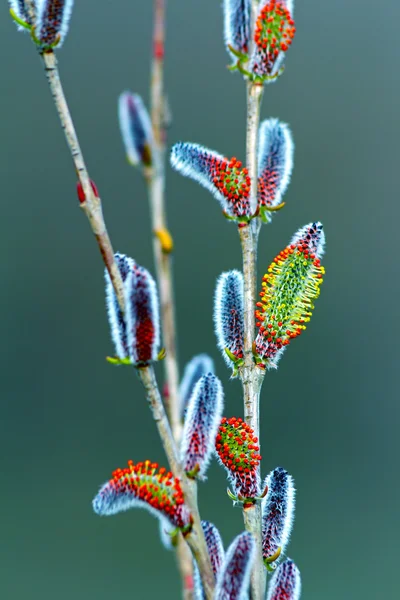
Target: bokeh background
330	414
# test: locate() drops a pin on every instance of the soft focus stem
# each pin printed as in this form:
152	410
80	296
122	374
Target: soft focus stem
155	178
195	538
92	205
250	374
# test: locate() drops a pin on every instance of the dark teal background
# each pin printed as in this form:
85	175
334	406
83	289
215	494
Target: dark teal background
330	414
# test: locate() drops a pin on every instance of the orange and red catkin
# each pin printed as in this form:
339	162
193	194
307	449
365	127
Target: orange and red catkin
225	178
52	21
277	512
274	33
285	583
116	319
136	129
237	15
229	316
215	552
199	365
202	420
234	577
275	162
238	451
289	289
144	485
142	316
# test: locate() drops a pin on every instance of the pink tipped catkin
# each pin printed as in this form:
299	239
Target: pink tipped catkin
52	21
285	583
202	420
234	577
142	316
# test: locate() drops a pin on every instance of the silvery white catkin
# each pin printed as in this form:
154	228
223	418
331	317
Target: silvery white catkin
216	553
199	365
136	129
115	317
234	577
237	15
277	512
142	316
203	416
285	583
52	21
275	162
229	315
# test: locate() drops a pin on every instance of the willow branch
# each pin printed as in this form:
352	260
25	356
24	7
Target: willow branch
92	204
156	185
195	538
162	254
251	376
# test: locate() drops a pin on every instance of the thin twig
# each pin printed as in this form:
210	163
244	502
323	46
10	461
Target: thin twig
156	184
92	204
156	187
251	376
195	538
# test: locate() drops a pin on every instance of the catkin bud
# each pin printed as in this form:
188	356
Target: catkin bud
225	178
275	162
234	577
274	33
288	290
202	420
228	317
144	485
237	26
285	583
142	316
115	317
136	129
52	21
238	452
277	512
216	553
199	365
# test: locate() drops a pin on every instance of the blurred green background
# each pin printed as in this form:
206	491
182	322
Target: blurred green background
330	413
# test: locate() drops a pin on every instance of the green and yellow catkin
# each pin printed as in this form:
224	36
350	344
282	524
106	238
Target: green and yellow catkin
289	289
